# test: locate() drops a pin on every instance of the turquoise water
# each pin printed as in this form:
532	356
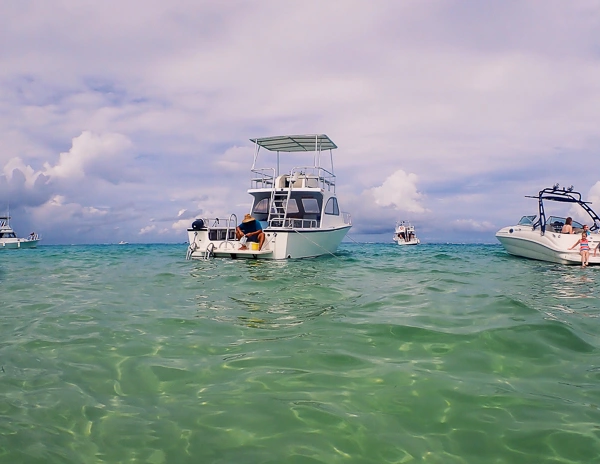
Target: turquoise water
383	354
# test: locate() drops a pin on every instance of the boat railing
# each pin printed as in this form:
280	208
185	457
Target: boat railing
221	229
262	178
290	223
312	176
298	177
347	218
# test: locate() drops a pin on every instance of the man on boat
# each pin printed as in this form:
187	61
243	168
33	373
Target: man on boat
251	229
402	233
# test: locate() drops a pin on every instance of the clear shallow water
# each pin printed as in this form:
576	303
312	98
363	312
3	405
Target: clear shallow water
383	354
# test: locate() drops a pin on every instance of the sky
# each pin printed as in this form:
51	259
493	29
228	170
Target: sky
125	120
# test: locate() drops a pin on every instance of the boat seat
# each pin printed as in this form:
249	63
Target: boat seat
311	181
282	181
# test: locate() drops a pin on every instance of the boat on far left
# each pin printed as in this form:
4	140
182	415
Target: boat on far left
9	239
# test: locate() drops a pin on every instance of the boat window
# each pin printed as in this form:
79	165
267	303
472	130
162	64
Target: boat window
310	205
527	220
292	206
262	207
557	221
332	207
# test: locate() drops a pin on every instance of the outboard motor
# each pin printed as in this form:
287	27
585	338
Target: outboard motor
198	224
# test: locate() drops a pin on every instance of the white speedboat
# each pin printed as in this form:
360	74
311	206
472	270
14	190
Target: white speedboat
9	239
538	237
297	210
404	234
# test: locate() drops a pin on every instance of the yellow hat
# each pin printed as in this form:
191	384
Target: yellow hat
248	218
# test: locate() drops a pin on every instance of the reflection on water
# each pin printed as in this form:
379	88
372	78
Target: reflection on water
562	293
264	294
574	285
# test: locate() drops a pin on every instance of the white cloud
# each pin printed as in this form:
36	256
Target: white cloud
235	159
400	191
60	210
181	225
91	154
471	225
17	164
147	230
594	195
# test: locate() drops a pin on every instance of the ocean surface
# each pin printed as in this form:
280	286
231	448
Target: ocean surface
380	354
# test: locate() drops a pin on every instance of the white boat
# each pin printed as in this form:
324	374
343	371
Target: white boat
541	238
9	239
298	209
404	234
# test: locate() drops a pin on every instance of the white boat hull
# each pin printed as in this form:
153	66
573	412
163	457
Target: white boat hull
279	244
400	241
552	246
17	243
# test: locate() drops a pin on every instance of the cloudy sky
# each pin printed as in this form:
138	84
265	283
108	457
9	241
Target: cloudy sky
125	120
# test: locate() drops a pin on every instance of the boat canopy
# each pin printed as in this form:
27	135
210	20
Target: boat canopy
564	195
292	143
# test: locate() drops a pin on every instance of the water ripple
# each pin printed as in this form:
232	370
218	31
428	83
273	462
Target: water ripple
438	353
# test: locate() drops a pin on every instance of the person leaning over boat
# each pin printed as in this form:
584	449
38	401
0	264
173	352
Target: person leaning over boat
401	233
584	249
567	228
251	229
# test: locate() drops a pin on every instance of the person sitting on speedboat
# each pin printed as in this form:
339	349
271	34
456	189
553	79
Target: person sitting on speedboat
584	249
567	228
251	229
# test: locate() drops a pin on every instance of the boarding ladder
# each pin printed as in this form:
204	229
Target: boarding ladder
279	204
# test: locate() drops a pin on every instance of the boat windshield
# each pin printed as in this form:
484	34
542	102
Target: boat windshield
557	223
564	195
527	220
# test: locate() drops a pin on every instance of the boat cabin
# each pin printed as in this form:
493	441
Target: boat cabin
302	198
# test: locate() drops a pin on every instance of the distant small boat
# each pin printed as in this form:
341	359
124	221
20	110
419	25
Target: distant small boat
123	243
404	234
9	239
